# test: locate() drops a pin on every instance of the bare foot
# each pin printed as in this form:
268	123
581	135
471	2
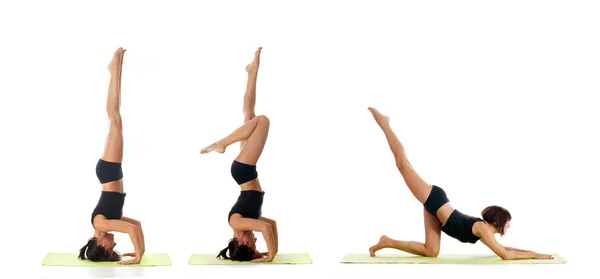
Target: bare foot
213	147
117	60
383	243
252	68
379	118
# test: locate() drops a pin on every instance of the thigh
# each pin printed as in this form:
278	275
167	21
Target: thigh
247	117
433	231
113	152
255	144
417	185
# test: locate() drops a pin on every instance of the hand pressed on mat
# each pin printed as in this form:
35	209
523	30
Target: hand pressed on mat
265	258
131	261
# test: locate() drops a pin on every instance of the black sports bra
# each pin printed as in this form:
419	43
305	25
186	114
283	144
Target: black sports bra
460	227
249	204
110	205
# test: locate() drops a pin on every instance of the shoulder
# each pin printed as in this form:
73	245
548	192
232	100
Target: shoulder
481	229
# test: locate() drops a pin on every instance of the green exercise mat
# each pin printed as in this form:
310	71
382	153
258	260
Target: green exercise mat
70	259
442	259
211	259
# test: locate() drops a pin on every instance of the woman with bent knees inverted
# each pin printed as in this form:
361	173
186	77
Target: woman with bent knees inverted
439	215
108	214
246	214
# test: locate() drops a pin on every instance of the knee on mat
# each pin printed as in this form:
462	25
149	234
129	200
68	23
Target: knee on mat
432	252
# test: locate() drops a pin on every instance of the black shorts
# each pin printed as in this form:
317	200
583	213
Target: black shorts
108	171
436	199
243	173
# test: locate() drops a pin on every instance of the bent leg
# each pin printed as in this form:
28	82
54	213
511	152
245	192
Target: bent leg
433	234
431	247
113	151
254	132
418	187
255	143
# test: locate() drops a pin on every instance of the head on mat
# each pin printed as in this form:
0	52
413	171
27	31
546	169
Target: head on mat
497	216
241	247
100	249
245	215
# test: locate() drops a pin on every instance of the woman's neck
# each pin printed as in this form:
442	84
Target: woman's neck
98	234
238	234
494	229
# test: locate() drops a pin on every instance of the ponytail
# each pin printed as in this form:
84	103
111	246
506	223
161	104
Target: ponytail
97	253
82	251
237	252
223	253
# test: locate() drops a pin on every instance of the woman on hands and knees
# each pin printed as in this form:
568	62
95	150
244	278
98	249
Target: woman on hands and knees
440	216
108	214
245	216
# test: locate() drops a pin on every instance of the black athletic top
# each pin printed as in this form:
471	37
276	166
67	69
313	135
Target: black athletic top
249	204
110	205
460	227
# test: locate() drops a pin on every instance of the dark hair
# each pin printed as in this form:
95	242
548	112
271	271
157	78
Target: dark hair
241	253
497	216
97	253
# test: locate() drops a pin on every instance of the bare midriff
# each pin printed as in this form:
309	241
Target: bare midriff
444	213
253	185
114	186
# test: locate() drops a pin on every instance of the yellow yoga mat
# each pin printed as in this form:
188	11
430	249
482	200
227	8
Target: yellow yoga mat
70	259
442	259
211	259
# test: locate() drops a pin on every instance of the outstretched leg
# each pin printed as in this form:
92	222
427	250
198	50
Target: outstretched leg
431	247
113	151
419	188
250	94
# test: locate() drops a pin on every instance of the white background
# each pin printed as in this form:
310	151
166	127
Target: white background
493	101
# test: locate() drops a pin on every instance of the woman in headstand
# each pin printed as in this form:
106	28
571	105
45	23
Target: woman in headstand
439	215
108	214
246	215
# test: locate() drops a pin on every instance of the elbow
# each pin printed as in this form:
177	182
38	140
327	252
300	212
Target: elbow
134	230
506	255
267	228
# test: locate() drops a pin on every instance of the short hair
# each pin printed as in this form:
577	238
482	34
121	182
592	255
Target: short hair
496	216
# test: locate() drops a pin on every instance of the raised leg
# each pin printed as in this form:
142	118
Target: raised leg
113	151
253	134
250	94
419	188
431	247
